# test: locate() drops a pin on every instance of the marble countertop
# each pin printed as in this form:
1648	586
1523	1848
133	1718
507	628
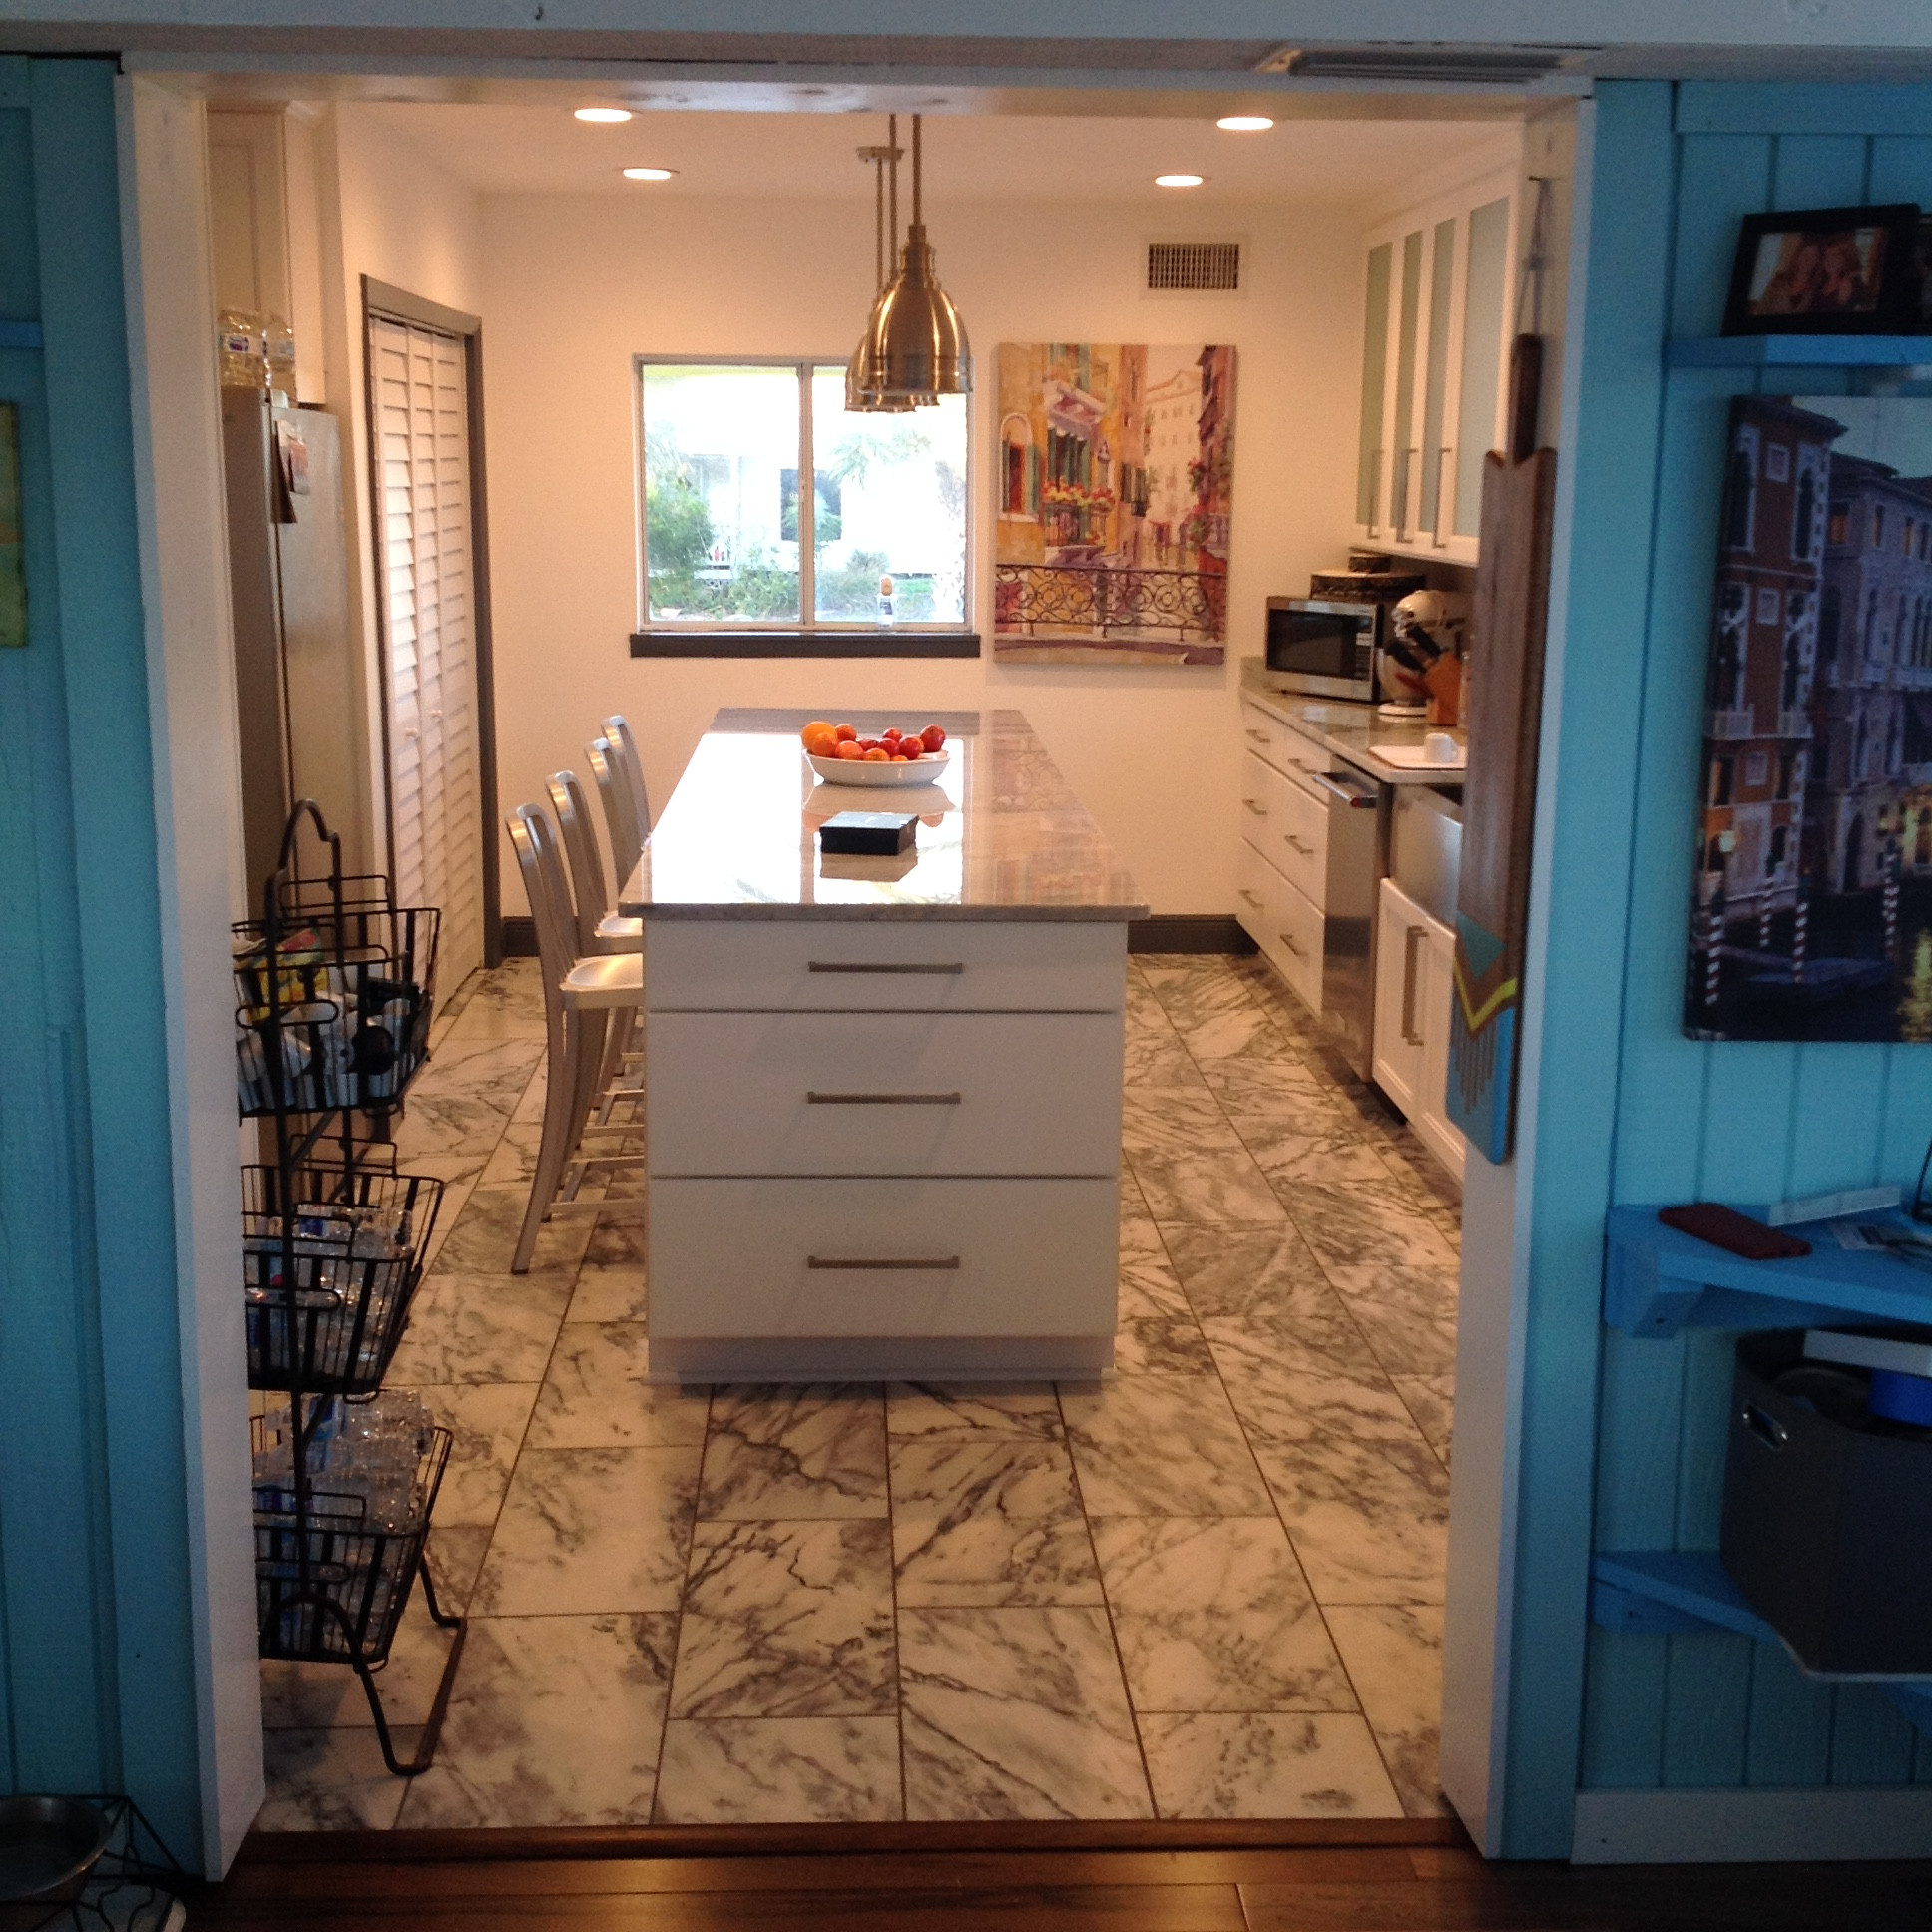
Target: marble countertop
1349	730
1001	835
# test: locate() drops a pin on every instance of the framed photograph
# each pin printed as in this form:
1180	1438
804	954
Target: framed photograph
1825	271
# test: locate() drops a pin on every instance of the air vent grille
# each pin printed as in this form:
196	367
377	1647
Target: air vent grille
1413	61
1210	265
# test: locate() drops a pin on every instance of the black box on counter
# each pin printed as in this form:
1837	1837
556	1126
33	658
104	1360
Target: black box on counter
877	833
1828	1523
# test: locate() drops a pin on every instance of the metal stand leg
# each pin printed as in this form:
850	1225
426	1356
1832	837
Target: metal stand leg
439	1710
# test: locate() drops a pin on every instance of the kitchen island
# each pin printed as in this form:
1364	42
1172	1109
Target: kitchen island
882	1095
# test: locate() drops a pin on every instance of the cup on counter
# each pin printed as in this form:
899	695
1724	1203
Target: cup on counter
1438	747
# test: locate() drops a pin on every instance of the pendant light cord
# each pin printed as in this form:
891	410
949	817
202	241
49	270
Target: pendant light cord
878	224
893	142
918	210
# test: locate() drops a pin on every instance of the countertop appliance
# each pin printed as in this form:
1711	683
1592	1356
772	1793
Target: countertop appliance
1323	646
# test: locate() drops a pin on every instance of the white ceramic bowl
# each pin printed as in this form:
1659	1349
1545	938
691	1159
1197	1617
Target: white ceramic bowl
856	771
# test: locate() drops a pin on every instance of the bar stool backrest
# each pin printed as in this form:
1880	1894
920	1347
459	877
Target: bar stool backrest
619	733
593	895
619	810
542	867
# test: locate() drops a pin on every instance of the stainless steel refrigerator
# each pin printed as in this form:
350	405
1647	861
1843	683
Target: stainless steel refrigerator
299	690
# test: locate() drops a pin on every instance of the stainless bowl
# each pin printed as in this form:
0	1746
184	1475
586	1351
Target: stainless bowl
48	1845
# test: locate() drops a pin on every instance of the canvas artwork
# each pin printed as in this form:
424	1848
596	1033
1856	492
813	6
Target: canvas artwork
1116	485
1811	914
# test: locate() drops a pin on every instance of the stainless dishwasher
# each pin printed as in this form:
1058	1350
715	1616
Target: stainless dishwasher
1357	807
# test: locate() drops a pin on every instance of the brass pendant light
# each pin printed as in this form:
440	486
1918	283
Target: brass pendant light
863	393
915	344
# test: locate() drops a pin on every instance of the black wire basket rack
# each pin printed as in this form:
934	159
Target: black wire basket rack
332	1585
333	1260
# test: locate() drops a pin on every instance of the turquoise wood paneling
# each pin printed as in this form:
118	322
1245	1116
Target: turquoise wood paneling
1745	1120
94	1587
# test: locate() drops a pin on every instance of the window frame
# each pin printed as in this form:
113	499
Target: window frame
808	636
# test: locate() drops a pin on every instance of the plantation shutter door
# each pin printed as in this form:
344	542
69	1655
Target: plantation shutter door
420	402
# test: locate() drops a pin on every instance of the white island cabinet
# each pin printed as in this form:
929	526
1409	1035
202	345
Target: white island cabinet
882	1096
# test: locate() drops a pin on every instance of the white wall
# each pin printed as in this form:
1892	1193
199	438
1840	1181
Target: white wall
575	286
387	211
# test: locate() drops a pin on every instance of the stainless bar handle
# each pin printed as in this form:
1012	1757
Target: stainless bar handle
1259	810
1260	738
1302	764
1293	947
842	1261
1354	801
1415	935
813	1099
1306	852
853	966
1250	898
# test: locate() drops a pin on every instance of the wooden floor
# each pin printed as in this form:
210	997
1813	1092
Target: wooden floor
1395	1877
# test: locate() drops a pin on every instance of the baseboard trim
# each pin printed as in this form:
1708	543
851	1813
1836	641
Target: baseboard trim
1702	1827
1164	932
1189	932
441	1847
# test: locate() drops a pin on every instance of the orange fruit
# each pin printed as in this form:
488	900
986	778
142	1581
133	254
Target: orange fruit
816	726
877	755
849	750
821	741
846	733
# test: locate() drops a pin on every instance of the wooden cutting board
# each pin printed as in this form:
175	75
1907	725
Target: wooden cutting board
1499	792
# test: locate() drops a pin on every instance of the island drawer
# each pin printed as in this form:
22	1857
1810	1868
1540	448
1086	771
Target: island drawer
884	1093
875	965
804	1257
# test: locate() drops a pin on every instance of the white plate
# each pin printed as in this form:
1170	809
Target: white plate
855	771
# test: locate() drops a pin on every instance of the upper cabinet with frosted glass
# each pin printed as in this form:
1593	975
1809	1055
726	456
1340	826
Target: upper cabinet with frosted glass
1435	327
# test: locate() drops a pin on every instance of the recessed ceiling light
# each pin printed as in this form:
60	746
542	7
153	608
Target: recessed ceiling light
1245	123
1178	181
649	173
604	114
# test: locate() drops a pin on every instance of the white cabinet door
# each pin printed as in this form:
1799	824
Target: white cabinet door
1400	945
1438	988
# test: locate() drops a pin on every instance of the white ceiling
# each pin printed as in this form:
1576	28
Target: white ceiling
505	150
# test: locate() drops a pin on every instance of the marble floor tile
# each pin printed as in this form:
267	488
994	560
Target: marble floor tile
1280	1087
1240	1031
1214	1615
480	1327
1368	1520
787	1620
1362	1225
1015	1713
487	1422
1155	1057
1215	1189
988	1520
805	1451
1284	1394
484	1241
1161	1445
610	1282
554	1721
506	1003
780	1770
1265	1281
1158	1334
1175	1123
1408	1315
513	1161
590	1530
595	1395
1431	1399
458	1104
973	1409
1255	1765
1394	1659
331	1780
1286	1151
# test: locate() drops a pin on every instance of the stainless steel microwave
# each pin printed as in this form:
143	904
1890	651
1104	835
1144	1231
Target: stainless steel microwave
1325	649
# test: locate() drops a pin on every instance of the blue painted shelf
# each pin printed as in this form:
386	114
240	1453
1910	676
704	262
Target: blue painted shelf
1658	1280
1798	351
1668	1591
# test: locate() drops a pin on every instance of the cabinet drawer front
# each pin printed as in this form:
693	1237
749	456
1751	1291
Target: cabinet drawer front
1297	845
944	1257
1262	806
1255	882
873	965
884	1093
1299	758
1293	941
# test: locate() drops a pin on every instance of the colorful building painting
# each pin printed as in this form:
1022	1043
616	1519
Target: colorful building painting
1812	914
1115	481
